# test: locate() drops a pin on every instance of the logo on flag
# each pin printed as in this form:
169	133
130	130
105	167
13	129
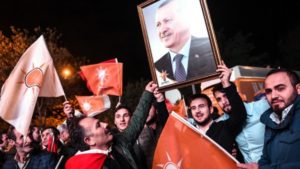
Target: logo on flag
93	105
182	146
35	71
104	78
34	77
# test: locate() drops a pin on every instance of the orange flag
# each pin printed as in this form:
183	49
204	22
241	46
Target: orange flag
179	107
93	105
104	78
181	145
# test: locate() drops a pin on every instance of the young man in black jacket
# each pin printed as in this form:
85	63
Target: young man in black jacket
201	109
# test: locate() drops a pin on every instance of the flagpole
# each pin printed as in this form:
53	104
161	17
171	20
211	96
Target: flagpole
65	97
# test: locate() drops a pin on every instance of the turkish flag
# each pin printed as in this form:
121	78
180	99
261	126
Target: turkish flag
181	145
93	105
104	78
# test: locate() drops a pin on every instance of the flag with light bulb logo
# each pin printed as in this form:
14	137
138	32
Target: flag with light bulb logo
93	105
181	145
105	78
34	75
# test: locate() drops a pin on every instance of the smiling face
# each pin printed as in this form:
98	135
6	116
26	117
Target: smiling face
200	111
172	30
280	91
122	119
97	135
23	145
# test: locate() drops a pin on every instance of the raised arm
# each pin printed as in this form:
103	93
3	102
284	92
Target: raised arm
140	114
238	112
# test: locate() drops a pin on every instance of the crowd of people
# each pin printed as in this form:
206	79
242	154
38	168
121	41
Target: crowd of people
259	134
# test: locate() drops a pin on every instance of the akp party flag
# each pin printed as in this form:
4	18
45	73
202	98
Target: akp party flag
182	146
180	108
33	76
104	78
93	105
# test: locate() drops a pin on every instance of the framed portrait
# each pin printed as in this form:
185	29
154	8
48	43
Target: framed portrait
180	42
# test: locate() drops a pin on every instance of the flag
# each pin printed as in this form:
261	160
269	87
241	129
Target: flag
181	145
179	107
115	60
93	105
33	76
104	78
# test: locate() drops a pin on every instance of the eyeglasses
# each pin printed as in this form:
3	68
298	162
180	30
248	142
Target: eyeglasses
200	106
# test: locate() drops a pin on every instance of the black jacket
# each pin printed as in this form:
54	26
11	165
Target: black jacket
225	132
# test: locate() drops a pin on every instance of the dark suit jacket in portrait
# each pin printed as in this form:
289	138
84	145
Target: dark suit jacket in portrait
200	63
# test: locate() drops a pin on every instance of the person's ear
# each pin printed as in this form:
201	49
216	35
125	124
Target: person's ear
89	141
298	88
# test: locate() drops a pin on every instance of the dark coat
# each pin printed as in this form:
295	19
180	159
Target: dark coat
200	63
40	160
225	132
122	149
146	143
282	142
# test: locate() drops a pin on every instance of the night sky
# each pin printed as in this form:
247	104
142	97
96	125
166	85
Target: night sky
102	30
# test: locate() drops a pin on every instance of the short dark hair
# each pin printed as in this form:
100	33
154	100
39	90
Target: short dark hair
53	130
218	88
77	134
11	134
122	106
294	78
200	96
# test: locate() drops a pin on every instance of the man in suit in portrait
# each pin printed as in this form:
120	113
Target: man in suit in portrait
188	57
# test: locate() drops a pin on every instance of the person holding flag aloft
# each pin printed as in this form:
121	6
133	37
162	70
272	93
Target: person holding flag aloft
98	148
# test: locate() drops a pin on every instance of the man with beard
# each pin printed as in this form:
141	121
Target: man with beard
201	109
282	134
26	157
251	139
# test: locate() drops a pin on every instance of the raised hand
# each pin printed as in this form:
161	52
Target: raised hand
151	86
225	73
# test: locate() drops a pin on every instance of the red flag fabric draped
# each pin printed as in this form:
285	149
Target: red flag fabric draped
33	76
104	78
86	161
93	105
182	146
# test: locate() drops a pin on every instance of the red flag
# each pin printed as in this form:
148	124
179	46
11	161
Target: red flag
93	105
181	145
104	78
82	160
115	60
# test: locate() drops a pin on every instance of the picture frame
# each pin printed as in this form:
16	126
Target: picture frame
172	27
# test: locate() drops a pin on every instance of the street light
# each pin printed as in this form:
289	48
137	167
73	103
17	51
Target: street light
66	72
